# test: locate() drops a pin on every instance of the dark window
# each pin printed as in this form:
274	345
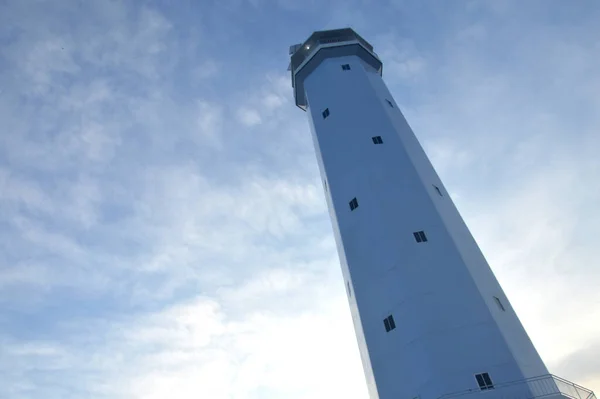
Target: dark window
389	103
484	381
480	381
349	289
326	113
377	140
488	380
389	323
420	236
392	322
353	204
346	67
499	303
438	190
325	184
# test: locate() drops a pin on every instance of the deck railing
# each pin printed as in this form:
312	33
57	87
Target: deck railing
531	388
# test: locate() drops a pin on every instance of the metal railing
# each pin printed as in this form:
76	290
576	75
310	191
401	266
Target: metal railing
531	388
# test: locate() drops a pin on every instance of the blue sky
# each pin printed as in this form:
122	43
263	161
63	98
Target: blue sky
163	229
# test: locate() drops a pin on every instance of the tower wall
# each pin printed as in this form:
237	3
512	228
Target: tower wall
440	293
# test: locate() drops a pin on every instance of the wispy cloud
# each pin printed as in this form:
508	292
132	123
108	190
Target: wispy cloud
249	116
163	229
207	70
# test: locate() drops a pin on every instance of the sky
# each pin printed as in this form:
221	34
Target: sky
163	228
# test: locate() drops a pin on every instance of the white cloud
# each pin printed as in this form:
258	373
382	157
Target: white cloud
401	60
18	191
249	117
46	61
206	70
205	354
196	348
151	247
264	103
210	120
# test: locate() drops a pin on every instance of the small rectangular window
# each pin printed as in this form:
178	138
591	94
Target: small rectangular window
325	185
346	67
349	289
377	140
389	103
437	189
389	323
326	113
484	381
353	204
499	303
392	322
480	380
487	380
420	236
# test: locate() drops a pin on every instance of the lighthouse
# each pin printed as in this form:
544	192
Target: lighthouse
431	320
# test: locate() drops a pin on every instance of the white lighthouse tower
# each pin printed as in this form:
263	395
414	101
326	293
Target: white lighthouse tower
430	317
